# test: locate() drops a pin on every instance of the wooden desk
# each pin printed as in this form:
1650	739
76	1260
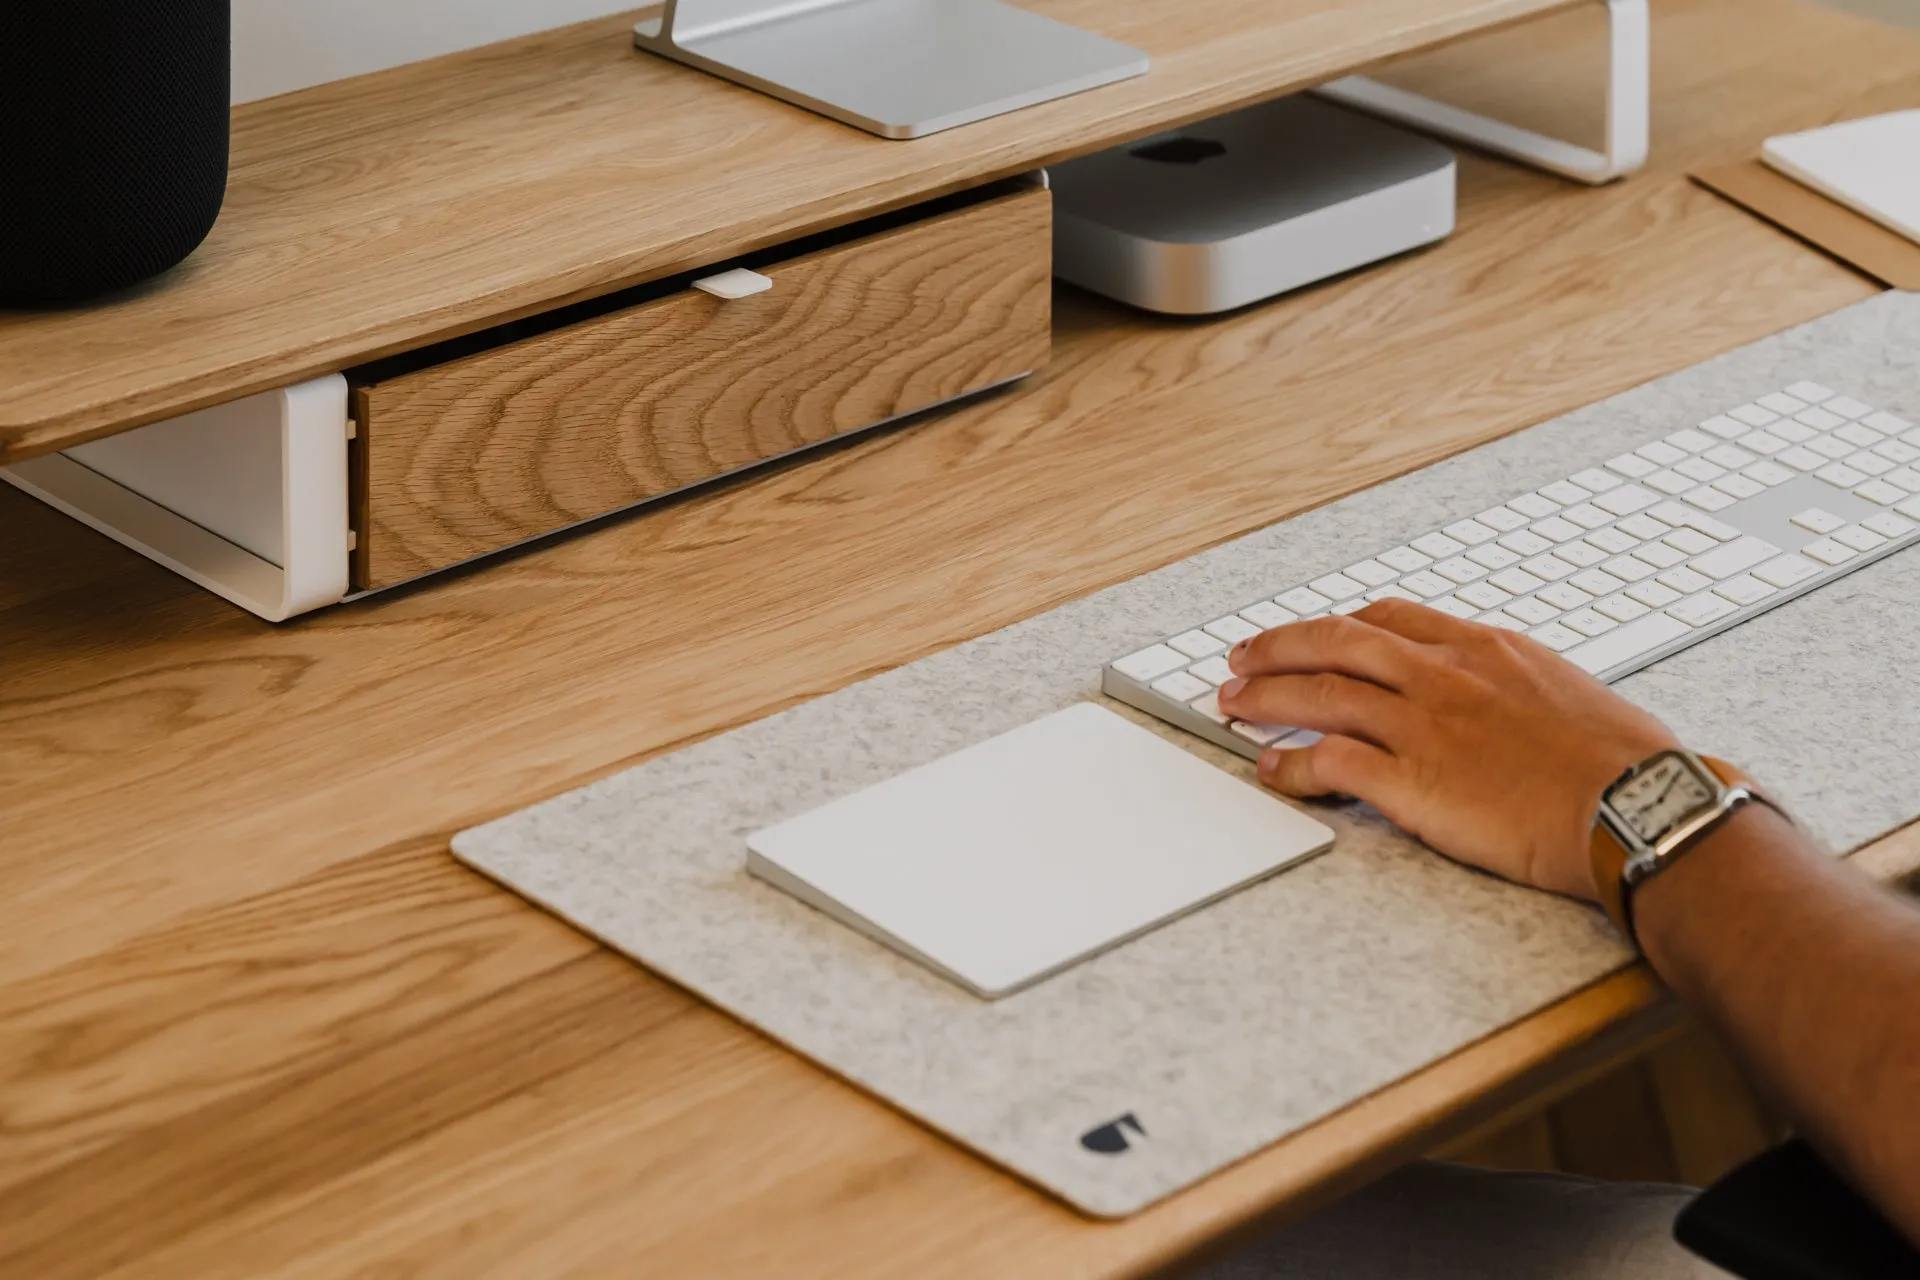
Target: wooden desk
258	1022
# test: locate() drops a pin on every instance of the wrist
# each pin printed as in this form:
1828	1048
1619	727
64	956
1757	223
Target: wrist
1725	861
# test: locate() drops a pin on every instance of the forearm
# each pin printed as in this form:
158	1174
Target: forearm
1814	974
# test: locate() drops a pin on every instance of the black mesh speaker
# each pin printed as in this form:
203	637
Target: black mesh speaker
113	141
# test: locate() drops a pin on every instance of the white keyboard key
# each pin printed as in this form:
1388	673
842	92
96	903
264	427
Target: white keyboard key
1404	559
1708	498
1426	584
1890	423
1267	615
1684	580
1818	419
1871	463
1763	443
1700	470
1768	473
1470	532
1302	600
1642	526
1556	637
1525	542
1504	519
1858	538
1181	687
1784	571
1594	480
1727	428
1753	415
1459	569
1700	610
1611	541
1633	465
1626	500
1198	644
1743	589
1558	529
1483	595
1814	520
1581	555
1896	451
1811	392
1653	594
1588	622
1889	525
1791	432
1233	629
1391	593
1730	456
1534	506
1261	735
1533	612
1562	595
1906	477
1662	556
1494	556
1623	644
1847	407
1738	487
1688	440
1735	557
1586	515
1827	551
1502	621
1691	541
1437	545
1622	608
1859	435
1214	671
1150	663
1551	568
1830	448
1208	705
1840	475
1881	492
1596	582
1337	586
1718	530
1670	482
1519	582
1349	606
1910	508
1457	607
1565	492
1370	572
1800	459
1781	402
1625	568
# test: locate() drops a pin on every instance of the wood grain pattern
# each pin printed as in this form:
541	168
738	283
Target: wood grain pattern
487	451
241	961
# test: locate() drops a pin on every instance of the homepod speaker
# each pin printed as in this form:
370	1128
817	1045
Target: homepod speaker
113	141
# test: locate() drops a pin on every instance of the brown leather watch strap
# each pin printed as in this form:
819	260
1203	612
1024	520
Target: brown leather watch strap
1609	857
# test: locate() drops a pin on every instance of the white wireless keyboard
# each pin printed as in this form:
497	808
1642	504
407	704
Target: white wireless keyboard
1613	567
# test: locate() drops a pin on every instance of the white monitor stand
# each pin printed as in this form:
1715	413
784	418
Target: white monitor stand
898	68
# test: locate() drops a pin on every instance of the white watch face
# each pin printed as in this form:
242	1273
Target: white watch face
1661	796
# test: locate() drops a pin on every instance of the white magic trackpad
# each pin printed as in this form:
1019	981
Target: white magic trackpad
1004	863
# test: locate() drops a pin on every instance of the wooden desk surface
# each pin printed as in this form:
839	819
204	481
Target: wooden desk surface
257	1021
378	214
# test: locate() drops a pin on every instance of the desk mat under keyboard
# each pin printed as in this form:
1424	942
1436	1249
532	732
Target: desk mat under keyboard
1233	1027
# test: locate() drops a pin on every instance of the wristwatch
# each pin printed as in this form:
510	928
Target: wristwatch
1654	813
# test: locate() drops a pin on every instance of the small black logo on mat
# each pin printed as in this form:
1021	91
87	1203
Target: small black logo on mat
1111	1139
1181	150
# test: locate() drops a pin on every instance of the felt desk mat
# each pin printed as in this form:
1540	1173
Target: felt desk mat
1228	1029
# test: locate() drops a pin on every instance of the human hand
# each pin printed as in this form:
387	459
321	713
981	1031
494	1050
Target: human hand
1481	742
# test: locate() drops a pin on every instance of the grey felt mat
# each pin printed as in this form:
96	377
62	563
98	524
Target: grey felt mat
1229	1029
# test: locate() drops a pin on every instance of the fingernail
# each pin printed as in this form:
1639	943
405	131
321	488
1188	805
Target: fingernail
1269	761
1232	688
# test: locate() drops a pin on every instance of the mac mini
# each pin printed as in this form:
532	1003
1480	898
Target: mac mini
1245	206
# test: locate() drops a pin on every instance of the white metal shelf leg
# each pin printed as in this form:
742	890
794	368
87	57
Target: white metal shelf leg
247	499
1629	89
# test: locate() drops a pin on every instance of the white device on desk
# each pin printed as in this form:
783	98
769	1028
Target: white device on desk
1004	863
1616	566
1872	166
1229	211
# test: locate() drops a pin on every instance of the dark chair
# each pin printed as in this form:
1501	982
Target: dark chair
1786	1215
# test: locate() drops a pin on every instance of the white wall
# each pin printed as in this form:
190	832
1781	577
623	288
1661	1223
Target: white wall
282	45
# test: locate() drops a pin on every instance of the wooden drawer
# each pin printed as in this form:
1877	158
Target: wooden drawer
484	450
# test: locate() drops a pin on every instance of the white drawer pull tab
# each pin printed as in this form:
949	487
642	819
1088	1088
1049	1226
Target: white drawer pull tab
738	283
